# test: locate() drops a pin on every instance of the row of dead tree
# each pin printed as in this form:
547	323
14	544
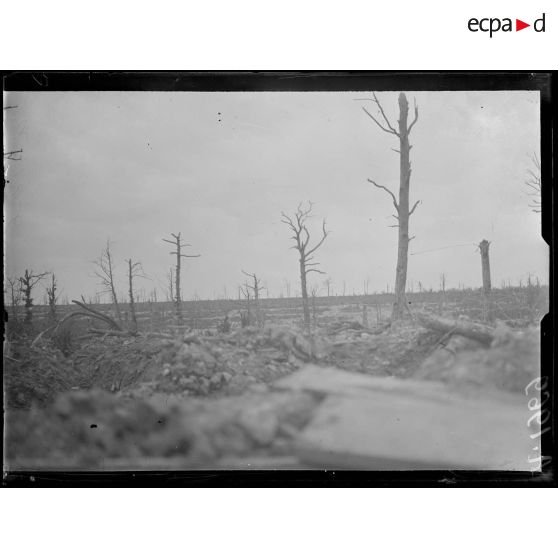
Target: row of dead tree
298	226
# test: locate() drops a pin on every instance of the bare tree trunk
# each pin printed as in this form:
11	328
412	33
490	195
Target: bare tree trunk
105	273
486	283
131	295
171	285
27	288
52	296
256	288
307	265
403	212
402	204
178	299
177	243
485	263
304	290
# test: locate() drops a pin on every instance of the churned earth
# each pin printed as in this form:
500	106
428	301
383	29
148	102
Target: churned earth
202	401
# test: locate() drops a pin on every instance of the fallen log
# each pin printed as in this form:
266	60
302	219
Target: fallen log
472	330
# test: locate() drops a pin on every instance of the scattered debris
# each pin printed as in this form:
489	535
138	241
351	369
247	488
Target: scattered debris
343	396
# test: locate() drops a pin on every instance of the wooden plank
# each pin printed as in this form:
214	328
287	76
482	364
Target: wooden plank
401	431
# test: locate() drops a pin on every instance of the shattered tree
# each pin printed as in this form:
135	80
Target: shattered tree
256	288
301	236
134	270
52	297
402	204
105	273
27	282
178	244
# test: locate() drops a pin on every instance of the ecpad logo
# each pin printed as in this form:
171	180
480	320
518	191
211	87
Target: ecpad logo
492	25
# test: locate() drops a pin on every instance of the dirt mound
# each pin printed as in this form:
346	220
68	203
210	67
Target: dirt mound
395	351
96	429
509	364
249	358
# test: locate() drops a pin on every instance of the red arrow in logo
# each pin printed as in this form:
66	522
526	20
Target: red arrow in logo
519	25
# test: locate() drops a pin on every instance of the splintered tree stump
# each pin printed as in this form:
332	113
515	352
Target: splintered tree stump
486	283
485	263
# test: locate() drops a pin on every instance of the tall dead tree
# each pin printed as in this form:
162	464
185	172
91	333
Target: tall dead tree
134	270
105	273
178	244
301	236
245	316
27	282
401	204
533	182
256	288
52	297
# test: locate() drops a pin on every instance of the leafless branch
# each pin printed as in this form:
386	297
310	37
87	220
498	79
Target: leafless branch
395	204
324	236
414	207
382	127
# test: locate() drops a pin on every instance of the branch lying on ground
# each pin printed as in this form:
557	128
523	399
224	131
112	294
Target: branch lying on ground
472	330
113	333
100	315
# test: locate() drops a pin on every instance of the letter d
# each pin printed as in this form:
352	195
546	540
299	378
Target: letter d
536	24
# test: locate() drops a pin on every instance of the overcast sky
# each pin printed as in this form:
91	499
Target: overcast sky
220	168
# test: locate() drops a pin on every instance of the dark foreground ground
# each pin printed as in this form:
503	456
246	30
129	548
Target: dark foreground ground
347	396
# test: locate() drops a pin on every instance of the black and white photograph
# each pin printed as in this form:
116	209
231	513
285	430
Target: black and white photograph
253	278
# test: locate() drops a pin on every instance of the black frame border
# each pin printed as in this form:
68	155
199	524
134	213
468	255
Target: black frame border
544	81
